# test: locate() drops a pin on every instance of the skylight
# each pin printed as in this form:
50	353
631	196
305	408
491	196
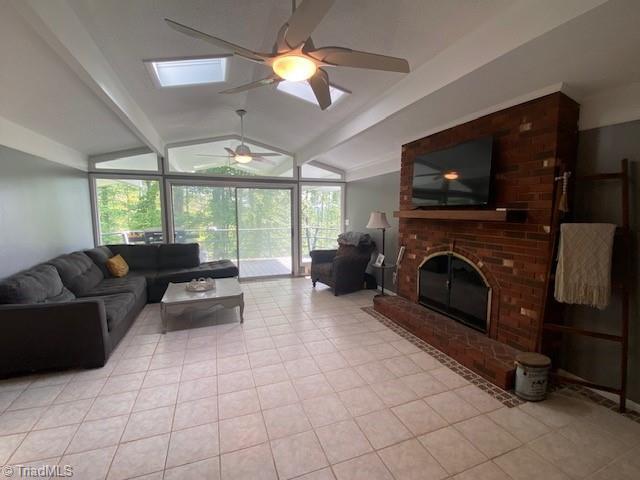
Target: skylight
191	71
303	91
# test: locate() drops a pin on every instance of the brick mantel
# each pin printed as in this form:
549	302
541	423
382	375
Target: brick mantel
534	141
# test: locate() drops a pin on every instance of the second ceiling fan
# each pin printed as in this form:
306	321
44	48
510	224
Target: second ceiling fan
294	57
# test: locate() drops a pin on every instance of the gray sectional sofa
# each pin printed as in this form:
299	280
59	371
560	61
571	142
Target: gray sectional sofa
70	312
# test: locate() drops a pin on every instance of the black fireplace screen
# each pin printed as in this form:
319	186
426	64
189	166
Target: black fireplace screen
452	286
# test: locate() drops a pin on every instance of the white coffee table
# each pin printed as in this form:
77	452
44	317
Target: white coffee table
227	294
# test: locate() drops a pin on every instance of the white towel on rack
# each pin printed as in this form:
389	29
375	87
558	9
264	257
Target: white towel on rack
583	275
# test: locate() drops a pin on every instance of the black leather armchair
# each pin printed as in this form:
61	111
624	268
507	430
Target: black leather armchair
343	270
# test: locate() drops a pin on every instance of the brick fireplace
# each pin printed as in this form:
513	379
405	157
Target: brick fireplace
533	142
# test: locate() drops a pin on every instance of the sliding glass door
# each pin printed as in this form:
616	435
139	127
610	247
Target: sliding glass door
251	226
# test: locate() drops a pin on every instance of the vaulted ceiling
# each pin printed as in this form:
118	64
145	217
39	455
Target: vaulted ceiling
93	93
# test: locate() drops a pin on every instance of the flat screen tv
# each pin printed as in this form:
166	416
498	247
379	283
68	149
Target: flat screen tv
456	176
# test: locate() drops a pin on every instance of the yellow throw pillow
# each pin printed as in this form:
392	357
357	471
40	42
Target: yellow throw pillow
117	266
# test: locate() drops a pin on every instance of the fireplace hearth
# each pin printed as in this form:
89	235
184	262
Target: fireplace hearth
452	285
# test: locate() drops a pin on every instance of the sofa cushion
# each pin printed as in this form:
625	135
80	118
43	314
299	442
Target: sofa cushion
217	269
179	255
100	255
132	283
78	272
116	306
117	266
40	284
138	257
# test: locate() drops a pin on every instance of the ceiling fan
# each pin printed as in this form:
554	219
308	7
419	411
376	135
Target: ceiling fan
242	153
294	57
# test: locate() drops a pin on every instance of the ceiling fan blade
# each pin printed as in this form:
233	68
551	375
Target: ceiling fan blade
230	152
258	83
266	154
305	19
236	49
345	57
320	85
211	156
258	158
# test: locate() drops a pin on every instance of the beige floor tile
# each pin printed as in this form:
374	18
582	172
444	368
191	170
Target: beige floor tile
330	361
425	361
195	389
342	441
36	397
593	437
80	390
195	412
410	461
163	376
324	474
264	358
123	383
194	371
325	410
302	367
293	352
312	386
238	403
112	405
452	450
626	467
423	384
620	427
402	366
366	467
277	395
419	417
8	445
139	457
297	455
91	465
382	428
404	346
255	463
64	414
98	434
484	471
320	347
487	436
577	461
208	469
156	397
132	365
344	379
233	382
275	373
557	411
524	464
193	444
393	392
242	432
233	364
20	420
521	425
260	344
448	377
357	356
148	423
286	420
451	407
382	351
374	372
478	398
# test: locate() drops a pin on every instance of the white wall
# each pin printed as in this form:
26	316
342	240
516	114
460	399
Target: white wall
45	210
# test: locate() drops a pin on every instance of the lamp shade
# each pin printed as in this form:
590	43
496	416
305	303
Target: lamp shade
378	220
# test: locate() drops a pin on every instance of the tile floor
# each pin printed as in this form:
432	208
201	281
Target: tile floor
310	387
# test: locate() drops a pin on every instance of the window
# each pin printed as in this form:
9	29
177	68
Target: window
128	210
189	71
143	162
303	91
320	218
313	170
212	159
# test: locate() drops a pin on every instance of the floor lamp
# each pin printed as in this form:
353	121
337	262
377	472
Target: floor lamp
378	220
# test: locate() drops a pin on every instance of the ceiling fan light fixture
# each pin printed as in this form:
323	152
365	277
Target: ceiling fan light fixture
294	68
243	158
451	175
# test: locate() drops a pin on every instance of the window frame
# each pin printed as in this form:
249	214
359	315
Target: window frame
324	166
95	211
106	157
148	63
172	173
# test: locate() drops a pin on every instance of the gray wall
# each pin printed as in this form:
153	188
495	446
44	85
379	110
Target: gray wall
600	150
376	193
44	210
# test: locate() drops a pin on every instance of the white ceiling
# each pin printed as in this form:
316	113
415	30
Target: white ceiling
595	49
